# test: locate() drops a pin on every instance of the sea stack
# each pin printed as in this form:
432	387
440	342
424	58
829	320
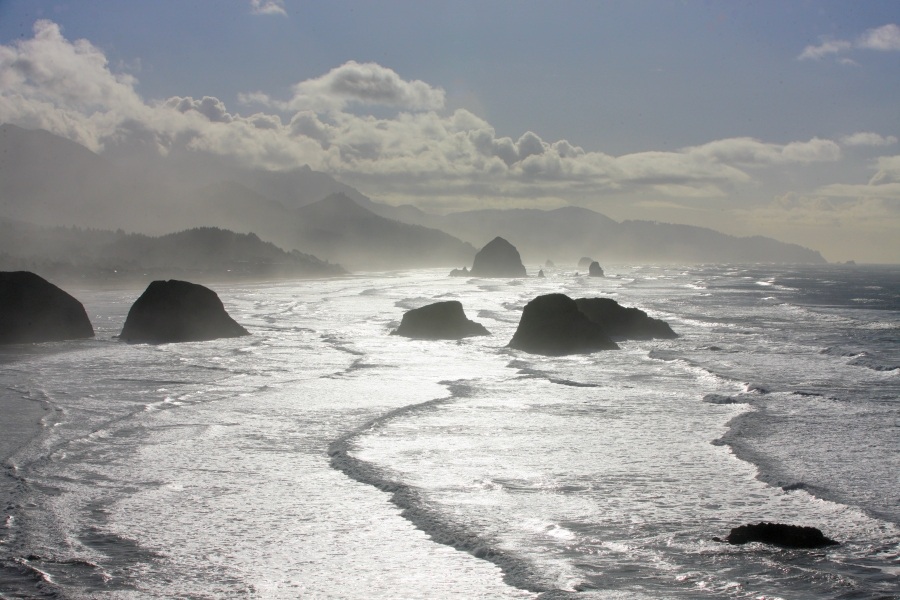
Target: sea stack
552	325
34	310
624	323
439	321
595	270
178	311
498	258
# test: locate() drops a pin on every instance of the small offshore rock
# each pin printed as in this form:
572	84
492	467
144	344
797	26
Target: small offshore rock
781	535
439	321
595	270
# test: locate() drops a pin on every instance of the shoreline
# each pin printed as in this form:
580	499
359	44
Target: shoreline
21	425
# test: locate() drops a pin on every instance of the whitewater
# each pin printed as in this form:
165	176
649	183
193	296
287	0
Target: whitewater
321	457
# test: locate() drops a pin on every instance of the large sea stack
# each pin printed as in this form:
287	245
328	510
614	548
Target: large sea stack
439	321
498	258
34	310
595	270
178	311
552	325
624	323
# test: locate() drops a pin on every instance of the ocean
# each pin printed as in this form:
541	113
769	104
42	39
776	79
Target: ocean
321	457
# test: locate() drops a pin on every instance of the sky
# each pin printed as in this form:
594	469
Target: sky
777	118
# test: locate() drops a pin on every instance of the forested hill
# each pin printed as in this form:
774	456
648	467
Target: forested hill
204	253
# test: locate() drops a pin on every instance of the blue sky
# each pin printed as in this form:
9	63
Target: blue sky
772	118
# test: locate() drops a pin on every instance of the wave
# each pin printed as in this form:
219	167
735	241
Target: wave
415	508
861	358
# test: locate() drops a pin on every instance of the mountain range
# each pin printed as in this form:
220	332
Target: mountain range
48	180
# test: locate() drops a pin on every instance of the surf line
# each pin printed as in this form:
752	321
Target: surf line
517	572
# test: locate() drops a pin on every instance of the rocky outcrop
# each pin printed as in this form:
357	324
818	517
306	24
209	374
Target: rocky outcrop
439	321
778	534
34	310
584	262
595	270
624	323
498	258
464	272
540	273
552	325
178	311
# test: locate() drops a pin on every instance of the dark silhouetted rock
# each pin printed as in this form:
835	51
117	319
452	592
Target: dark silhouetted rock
178	311
34	310
595	270
584	262
540	273
439	321
777	534
552	325
498	258
624	323
464	272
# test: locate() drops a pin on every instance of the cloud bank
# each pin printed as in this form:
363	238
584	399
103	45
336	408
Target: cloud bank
396	139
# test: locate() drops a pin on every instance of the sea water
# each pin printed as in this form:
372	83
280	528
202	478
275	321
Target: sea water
322	457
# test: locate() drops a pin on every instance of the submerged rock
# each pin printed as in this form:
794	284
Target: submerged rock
498	258
778	534
624	323
595	270
178	311
34	310
552	325
439	321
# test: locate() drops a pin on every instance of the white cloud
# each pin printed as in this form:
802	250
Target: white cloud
749	152
868	138
268	7
885	38
211	108
824	49
353	83
888	171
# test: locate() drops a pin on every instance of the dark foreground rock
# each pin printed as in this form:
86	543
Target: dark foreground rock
498	258
595	270
624	323
178	311
34	310
552	325
778	534
439	321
